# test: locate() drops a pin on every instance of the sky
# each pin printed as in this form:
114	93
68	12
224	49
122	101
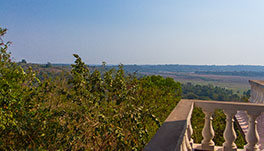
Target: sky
204	32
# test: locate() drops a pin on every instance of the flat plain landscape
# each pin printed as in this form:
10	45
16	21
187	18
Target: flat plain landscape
233	77
236	83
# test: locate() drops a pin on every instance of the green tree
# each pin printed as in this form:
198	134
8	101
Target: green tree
23	61
48	65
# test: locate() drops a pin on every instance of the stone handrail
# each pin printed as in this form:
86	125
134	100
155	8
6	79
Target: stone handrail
175	133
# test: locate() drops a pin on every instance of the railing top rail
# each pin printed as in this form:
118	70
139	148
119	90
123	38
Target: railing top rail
170	135
259	83
228	105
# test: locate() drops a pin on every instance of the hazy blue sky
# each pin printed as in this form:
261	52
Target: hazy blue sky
136	31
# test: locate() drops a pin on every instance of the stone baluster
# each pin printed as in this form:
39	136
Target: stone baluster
190	132
229	133
261	97
183	145
187	141
208	131
260	100
252	136
252	94
257	96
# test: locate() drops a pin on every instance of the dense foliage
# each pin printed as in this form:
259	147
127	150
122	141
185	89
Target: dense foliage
81	111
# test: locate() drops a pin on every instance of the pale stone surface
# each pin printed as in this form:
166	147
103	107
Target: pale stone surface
261	130
252	136
208	131
172	135
229	133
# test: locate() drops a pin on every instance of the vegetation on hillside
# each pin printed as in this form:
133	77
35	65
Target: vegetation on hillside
81	111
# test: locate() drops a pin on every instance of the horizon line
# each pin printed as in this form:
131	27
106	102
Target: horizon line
152	64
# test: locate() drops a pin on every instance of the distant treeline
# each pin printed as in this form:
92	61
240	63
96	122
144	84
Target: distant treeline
233	73
208	92
192	68
247	70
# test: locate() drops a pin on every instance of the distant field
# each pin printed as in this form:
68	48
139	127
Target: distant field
228	76
236	83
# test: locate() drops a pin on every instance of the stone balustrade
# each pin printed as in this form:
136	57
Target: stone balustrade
257	96
257	91
175	133
230	109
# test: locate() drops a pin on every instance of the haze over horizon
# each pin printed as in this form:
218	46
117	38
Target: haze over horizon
136	32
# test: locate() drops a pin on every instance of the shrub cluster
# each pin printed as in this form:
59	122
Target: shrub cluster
84	110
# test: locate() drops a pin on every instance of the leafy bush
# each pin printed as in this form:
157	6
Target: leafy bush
80	110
